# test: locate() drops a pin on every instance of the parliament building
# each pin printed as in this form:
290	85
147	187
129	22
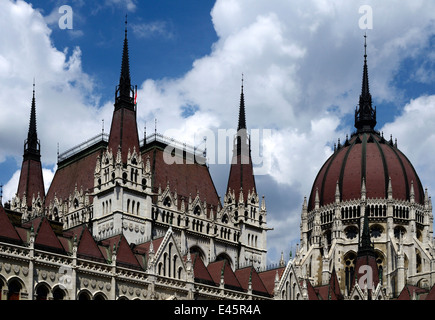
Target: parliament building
120	222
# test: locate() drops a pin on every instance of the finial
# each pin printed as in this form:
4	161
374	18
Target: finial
126	25
102	126
33	86
365	46
242	81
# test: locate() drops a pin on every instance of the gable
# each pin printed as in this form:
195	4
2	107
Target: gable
268	278
200	271
249	273
124	254
217	268
46	239
186	178
87	248
7	230
168	261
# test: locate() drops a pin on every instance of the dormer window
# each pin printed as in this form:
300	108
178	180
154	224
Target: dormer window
167	202
197	210
225	218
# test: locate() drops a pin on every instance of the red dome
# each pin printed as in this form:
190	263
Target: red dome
366	155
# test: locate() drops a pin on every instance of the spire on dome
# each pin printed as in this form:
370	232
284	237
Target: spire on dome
365	115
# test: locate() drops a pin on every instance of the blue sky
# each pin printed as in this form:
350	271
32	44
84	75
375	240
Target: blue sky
302	62
166	37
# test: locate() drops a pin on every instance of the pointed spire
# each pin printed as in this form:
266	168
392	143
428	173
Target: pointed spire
281	261
123	130
337	192
316	199
32	146
390	189
365	115
412	192
124	80
31	181
363	189
241	171
242	115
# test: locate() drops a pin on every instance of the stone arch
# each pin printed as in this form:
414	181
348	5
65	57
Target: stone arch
226	257
59	293
349	260
84	295
381	263
42	291
2	284
198	250
99	296
15	287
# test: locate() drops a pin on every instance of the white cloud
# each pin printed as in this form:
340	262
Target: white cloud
10	188
414	130
62	89
152	29
130	5
302	62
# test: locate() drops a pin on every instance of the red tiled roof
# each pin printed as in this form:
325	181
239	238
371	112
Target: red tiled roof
144	248
330	291
124	254
187	179
24	234
7	230
243	275
123	132
230	280
268	278
370	156
45	236
241	176
79	172
200	271
370	262
408	292
86	245
31	181
312	293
